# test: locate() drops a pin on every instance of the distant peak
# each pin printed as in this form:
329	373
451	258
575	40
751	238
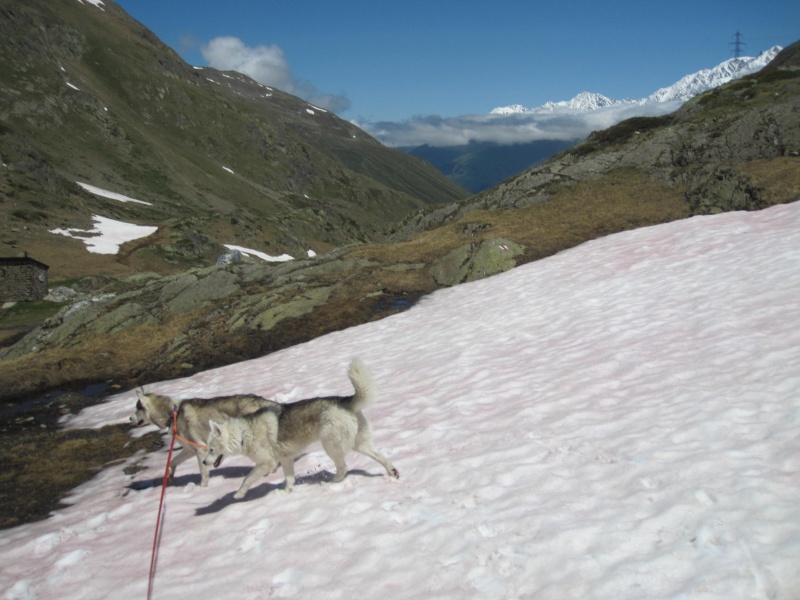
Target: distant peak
682	90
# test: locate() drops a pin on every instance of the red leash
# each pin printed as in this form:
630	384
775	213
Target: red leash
185	441
159	524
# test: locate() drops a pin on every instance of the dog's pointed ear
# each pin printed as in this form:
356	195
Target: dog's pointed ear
142	400
216	428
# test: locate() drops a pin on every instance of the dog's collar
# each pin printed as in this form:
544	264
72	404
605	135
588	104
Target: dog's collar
172	421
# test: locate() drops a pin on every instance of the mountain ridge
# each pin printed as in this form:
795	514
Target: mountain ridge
90	95
478	166
682	90
707	153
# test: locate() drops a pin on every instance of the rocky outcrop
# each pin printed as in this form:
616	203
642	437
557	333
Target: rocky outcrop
193	291
256	297
474	261
263	312
717	189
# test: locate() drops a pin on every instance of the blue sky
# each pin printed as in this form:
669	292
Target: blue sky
374	60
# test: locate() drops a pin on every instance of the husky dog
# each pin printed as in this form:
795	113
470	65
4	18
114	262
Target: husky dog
270	436
193	420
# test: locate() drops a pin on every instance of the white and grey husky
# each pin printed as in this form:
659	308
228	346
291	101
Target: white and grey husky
193	420
277	435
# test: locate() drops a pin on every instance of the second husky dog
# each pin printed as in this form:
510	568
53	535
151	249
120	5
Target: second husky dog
269	436
193	419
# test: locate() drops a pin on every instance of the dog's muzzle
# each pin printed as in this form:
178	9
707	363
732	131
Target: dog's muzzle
217	461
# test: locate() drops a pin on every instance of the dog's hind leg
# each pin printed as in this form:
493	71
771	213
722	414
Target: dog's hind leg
367	449
337	454
364	446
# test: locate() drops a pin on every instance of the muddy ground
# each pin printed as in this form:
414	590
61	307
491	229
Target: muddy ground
42	462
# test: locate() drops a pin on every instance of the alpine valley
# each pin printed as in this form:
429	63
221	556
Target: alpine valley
102	125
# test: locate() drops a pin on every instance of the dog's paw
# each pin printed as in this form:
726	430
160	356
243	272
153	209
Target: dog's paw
395	473
239	495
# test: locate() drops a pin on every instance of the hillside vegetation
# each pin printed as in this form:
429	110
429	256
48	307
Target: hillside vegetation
735	148
92	96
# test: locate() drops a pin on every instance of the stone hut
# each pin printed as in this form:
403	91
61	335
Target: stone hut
22	278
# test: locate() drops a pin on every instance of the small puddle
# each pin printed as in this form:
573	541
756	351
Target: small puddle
395	302
91	391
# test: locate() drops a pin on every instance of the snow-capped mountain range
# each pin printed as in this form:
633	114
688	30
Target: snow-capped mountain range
681	91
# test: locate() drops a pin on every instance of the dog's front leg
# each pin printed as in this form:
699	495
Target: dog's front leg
182	456
287	464
257	473
204	468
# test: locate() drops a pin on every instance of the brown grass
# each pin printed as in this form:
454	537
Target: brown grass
778	177
66	257
116	357
624	199
41	465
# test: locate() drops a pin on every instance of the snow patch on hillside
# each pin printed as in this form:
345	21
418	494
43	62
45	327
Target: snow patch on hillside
107	235
111	195
98	3
259	254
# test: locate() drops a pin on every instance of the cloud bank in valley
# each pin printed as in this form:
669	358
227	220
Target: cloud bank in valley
267	65
563	121
516	128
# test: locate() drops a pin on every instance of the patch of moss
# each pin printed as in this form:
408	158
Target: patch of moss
28	313
624	131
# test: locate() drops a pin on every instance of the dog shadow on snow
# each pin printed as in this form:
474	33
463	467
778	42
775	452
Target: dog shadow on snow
260	491
184	480
254	493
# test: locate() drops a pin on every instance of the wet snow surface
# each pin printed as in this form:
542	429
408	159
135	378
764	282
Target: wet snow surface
619	421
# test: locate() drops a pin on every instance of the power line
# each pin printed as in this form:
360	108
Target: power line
737	44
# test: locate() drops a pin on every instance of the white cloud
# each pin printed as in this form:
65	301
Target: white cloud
566	124
267	65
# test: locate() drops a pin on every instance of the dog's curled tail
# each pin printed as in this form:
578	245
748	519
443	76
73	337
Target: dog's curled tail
361	379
